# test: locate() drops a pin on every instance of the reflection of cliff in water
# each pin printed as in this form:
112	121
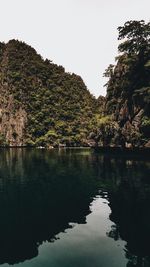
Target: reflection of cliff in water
130	211
40	194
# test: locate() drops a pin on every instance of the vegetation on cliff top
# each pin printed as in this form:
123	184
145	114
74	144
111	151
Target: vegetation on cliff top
58	107
128	89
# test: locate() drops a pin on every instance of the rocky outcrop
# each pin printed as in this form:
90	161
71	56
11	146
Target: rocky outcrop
13	126
127	101
126	114
13	119
128	86
40	103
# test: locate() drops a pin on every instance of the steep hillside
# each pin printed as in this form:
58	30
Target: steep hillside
41	104
127	110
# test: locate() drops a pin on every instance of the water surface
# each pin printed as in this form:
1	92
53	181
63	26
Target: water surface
71	208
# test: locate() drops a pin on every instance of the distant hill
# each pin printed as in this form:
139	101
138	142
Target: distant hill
41	104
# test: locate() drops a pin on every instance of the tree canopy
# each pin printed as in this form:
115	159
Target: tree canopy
136	36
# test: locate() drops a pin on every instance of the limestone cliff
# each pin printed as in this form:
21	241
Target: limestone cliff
41	104
12	119
127	109
129	102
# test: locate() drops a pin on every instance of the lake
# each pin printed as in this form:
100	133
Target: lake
73	207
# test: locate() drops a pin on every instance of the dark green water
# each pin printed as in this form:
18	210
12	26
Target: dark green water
73	208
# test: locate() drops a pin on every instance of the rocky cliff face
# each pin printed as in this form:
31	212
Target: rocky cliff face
12	125
128	100
12	120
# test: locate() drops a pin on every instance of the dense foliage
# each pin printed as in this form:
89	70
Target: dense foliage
128	89
58	106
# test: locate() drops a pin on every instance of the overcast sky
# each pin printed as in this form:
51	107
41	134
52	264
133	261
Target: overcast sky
81	35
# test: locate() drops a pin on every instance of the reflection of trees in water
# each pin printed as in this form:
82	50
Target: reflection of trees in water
130	211
40	194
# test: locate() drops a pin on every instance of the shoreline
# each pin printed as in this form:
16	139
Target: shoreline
122	151
97	149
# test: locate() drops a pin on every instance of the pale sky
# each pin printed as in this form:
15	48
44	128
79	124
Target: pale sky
80	35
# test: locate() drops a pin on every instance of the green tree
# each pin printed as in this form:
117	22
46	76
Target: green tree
136	35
